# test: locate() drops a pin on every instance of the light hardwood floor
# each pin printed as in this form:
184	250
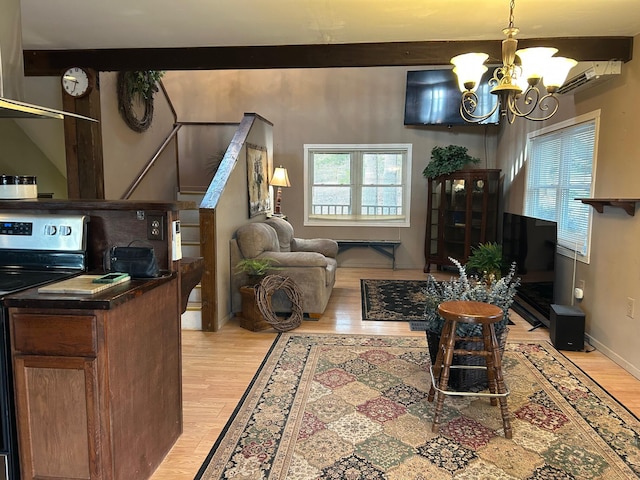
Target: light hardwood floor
218	367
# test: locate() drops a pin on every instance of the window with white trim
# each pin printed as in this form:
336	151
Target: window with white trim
561	168
364	185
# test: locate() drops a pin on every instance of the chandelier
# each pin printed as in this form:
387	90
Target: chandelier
516	83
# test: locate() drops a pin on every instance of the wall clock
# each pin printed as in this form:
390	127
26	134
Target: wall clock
76	82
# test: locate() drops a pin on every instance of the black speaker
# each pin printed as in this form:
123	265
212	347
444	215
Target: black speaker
566	328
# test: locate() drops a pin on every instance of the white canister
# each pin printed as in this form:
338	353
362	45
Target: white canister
15	187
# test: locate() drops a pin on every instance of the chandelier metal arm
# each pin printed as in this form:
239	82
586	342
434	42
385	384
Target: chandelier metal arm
468	106
547	104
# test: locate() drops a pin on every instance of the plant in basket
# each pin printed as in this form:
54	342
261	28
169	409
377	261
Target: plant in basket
489	289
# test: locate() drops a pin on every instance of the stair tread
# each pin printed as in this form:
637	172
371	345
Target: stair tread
192	192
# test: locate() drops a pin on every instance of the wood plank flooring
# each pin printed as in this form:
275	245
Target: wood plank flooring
218	367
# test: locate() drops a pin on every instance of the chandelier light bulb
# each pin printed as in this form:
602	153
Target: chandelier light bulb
557	71
469	69
534	61
470	79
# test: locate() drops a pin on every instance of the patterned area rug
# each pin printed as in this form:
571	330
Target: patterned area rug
354	407
393	300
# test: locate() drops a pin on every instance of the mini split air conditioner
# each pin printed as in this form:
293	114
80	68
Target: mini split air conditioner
588	74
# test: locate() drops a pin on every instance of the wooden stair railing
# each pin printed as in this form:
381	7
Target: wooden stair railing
151	162
208	239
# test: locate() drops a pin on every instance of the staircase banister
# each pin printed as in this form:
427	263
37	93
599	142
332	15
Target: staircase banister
150	163
228	163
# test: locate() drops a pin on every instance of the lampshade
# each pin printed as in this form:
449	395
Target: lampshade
280	177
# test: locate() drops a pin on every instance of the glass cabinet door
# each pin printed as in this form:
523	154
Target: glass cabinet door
463	213
435	187
455	217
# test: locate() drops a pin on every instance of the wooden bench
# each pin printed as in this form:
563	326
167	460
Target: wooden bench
385	247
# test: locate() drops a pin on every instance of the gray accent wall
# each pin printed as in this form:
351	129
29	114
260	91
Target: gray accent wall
613	274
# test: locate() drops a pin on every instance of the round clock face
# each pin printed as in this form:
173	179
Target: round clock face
75	82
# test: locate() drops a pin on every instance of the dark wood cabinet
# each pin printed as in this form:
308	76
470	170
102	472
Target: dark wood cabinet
98	390
462	212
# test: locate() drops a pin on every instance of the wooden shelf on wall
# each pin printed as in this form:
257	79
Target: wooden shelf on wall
627	204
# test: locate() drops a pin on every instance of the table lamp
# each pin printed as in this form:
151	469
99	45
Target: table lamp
279	179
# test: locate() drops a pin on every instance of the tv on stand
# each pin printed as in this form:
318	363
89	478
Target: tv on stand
531	243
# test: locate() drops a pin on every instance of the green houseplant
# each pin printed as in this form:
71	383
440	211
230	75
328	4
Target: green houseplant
445	160
486	260
255	268
487	289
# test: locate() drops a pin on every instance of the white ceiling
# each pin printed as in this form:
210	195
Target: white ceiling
88	24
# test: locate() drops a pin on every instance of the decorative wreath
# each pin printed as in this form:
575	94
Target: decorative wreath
264	291
139	86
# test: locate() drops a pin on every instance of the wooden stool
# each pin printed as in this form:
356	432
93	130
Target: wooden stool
475	313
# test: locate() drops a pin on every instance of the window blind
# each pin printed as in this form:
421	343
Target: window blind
560	170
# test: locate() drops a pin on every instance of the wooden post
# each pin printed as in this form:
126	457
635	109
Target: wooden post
83	144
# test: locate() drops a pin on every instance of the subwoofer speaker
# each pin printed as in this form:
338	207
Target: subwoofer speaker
566	328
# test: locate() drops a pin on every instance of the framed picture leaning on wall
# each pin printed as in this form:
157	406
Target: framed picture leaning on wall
258	180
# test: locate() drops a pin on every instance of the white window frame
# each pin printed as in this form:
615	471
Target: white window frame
355	220
564	246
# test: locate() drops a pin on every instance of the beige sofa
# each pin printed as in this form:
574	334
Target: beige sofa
310	263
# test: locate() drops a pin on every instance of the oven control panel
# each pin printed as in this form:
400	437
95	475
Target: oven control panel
16	228
43	232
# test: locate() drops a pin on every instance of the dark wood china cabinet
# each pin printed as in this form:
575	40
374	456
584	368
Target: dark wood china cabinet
462	212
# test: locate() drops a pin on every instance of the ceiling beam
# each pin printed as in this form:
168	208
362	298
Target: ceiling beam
53	62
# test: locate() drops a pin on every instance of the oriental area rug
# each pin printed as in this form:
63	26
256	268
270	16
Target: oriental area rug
355	407
393	300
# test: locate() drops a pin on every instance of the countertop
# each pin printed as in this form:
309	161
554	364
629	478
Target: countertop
45	204
104	300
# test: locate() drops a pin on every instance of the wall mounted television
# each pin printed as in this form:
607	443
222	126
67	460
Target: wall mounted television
432	97
531	243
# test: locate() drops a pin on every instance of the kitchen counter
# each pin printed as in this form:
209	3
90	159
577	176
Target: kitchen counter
56	205
97	379
104	300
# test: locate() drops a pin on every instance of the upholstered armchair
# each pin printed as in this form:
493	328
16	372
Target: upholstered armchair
310	263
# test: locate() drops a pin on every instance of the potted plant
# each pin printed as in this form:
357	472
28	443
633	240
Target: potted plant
445	160
255	268
486	260
487	289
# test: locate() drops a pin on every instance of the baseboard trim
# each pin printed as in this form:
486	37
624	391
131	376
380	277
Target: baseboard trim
613	356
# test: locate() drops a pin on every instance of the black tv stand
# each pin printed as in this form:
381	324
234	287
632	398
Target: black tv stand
535	325
535	318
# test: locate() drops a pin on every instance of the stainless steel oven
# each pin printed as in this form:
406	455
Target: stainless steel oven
34	250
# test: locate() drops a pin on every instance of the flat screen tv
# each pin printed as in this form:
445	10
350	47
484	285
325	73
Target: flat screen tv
531	243
432	97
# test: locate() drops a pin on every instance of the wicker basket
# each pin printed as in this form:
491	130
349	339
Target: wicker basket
472	380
